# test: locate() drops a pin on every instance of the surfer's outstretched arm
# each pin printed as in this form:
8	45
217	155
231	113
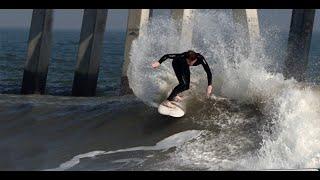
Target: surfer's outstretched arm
209	74
207	69
169	56
156	64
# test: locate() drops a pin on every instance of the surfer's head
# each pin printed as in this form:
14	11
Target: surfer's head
191	57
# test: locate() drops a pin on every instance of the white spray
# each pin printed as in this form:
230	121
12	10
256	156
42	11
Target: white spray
294	142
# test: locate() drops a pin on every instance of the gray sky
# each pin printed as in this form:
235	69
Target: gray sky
117	18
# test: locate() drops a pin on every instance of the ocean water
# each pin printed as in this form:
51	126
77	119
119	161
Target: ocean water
264	123
13	43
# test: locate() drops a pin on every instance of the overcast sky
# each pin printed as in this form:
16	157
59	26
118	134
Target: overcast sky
117	18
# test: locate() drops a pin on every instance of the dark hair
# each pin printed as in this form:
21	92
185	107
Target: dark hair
191	55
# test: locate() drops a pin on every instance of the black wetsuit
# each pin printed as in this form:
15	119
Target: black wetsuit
182	71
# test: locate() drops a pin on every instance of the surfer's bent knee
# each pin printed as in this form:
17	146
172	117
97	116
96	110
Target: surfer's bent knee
185	87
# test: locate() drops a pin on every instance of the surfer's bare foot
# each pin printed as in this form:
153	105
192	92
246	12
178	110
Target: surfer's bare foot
168	104
178	99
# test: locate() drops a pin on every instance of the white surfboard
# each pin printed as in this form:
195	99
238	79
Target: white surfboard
177	111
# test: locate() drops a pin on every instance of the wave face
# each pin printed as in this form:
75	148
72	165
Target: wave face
289	133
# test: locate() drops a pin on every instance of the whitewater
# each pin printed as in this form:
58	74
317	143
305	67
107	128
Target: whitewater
290	134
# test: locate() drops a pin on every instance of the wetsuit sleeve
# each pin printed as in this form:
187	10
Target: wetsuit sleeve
169	56
206	68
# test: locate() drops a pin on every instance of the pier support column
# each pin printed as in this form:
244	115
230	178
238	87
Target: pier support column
247	24
136	19
150	14
183	18
299	43
89	52
39	51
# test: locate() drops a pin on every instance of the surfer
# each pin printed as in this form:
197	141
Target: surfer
181	65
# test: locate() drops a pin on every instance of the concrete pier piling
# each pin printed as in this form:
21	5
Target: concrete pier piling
299	43
89	52
136	19
247	24
253	23
183	18
150	14
39	51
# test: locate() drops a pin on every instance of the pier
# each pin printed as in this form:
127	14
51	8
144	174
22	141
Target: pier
136	19
299	43
39	51
92	33
90	45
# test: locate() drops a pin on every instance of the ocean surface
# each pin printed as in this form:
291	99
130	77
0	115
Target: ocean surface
14	42
264	123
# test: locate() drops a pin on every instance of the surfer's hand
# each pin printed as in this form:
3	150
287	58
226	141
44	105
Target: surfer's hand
155	64
209	90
